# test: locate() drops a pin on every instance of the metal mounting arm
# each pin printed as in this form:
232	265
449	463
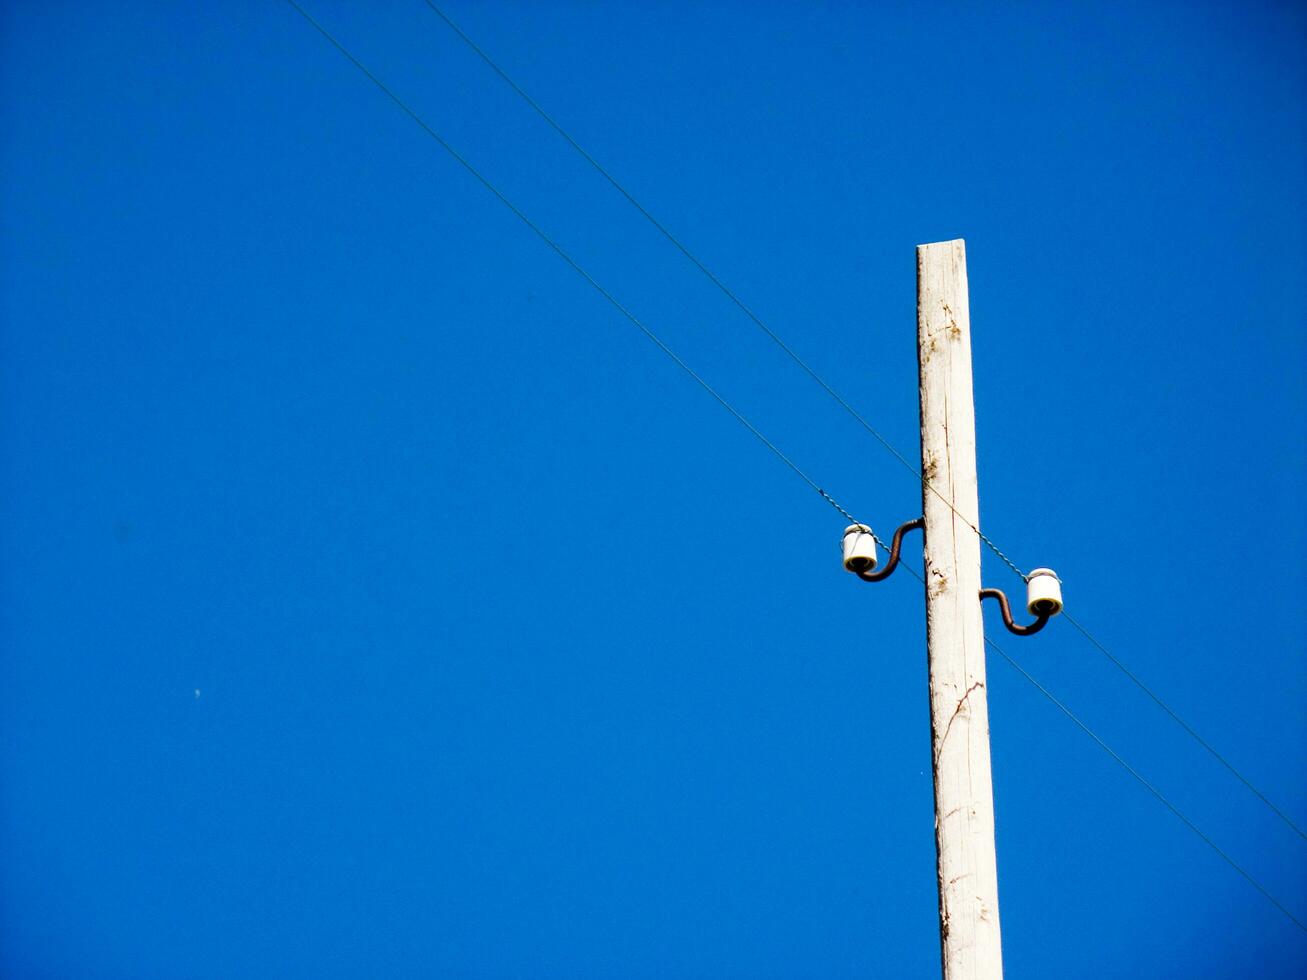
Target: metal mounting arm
1040	621
894	546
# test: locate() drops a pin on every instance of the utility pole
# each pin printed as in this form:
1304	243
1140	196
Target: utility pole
966	865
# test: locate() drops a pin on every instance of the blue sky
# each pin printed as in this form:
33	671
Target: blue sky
377	602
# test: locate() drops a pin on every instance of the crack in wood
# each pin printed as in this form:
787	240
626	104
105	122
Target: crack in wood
939	749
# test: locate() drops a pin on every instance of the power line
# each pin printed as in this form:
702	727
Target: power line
1148	786
1183	724
726	290
576	267
1134	772
790	463
830	390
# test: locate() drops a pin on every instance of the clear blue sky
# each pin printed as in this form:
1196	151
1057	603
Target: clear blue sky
376	602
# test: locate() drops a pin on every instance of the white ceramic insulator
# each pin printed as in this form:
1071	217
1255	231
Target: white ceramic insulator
1042	589
859	548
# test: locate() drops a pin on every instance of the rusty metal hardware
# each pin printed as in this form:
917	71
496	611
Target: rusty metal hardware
895	544
1042	616
1040	622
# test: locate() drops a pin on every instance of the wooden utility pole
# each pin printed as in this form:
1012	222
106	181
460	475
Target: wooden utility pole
959	715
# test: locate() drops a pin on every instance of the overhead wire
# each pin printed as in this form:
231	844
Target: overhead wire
832	392
577	268
554	246
726	290
1147	785
1183	724
1266	893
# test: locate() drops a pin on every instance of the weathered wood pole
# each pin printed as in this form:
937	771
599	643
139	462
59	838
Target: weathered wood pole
959	715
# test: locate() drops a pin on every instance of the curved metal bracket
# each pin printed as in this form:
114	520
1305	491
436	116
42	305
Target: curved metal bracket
894	546
1016	628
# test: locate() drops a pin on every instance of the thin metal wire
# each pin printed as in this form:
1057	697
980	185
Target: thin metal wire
726	290
1185	725
1134	772
808	480
1147	785
576	267
843	403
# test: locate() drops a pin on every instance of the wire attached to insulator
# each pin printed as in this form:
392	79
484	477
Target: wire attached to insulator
860	553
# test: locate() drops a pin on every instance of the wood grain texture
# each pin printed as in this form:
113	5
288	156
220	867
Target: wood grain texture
959	714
